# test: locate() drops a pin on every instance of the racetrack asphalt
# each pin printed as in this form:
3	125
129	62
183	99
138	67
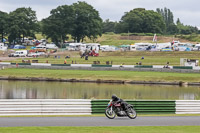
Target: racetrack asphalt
100	121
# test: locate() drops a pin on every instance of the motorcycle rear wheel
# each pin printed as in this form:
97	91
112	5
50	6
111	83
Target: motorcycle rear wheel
110	114
131	113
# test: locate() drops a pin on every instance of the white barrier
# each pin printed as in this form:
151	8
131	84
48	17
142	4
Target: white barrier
5	63
158	66
116	66
10	107
196	68
40	64
188	107
124	66
128	66
81	65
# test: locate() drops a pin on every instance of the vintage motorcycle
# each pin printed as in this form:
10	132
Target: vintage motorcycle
114	109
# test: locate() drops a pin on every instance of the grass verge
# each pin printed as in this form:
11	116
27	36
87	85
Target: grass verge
117	58
105	75
147	129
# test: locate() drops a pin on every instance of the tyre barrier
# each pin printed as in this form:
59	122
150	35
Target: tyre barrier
141	106
188	107
16	107
10	107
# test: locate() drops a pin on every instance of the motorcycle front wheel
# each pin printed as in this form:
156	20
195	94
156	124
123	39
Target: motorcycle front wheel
110	114
131	113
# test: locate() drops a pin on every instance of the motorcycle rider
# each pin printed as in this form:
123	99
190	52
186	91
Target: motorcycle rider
117	100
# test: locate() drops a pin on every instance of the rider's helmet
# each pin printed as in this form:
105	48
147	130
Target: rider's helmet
114	97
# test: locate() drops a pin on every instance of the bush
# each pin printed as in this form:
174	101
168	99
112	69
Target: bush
124	34
134	34
109	33
141	34
149	34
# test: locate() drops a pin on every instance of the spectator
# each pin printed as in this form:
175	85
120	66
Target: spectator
167	65
86	57
68	56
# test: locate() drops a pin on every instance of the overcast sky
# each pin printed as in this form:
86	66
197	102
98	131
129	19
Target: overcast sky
187	10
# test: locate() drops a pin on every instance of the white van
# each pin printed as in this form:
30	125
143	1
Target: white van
20	53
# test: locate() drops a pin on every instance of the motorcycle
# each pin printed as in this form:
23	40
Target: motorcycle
114	109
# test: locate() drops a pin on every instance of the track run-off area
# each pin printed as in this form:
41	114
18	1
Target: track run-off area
100	121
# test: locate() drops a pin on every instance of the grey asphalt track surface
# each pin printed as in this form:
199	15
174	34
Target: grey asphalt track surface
100	121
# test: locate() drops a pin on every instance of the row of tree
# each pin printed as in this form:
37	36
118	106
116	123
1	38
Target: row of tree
140	20
18	24
81	20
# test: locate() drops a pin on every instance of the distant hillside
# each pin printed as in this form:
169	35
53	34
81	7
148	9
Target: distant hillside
117	39
150	38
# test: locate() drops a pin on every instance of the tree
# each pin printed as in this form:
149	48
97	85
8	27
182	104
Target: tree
140	20
168	18
87	22
3	24
59	23
185	29
22	23
79	20
119	27
109	26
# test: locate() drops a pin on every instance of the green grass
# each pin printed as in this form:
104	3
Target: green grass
115	40
119	39
117	58
140	129
105	75
191	37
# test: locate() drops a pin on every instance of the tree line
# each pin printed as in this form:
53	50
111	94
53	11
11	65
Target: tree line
140	20
81	20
